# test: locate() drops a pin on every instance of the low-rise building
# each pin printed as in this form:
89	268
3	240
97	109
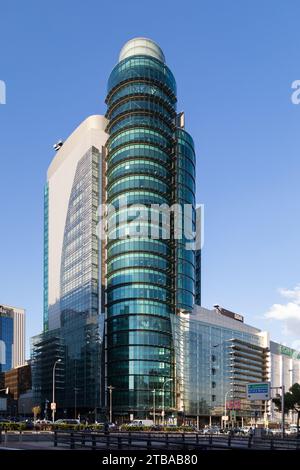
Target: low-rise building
284	370
217	354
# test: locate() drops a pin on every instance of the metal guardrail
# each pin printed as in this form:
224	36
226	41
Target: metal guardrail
168	441
26	436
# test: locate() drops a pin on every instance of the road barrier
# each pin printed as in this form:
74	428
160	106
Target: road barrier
168	441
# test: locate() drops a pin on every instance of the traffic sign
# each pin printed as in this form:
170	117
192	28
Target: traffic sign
258	391
53	406
225	418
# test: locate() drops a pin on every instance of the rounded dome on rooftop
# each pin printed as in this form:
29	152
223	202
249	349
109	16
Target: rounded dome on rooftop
141	46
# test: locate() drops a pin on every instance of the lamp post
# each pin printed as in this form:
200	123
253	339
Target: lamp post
163	398
53	390
153	391
110	388
229	391
225	406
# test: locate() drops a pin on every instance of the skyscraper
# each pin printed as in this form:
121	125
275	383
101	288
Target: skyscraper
141	274
150	161
73	284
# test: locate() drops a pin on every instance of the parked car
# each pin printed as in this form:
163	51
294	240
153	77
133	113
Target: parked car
28	424
211	430
68	421
141	422
275	431
112	426
4	421
291	430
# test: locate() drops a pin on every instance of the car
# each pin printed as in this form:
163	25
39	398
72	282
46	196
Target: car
112	426
28	424
275	431
211	430
43	421
291	430
141	422
245	430
4	421
68	421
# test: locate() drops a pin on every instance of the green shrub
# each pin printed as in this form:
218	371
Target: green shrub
68	427
12	426
127	427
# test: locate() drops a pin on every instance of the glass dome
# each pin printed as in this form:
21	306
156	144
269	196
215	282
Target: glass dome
141	46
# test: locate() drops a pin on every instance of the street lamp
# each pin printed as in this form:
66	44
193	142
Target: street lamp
110	388
225	406
153	391
163	398
231	390
53	390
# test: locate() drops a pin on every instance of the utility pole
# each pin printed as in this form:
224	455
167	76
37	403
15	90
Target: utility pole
282	396
110	388
163	399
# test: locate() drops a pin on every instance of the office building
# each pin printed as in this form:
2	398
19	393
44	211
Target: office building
150	161
12	337
122	311
73	284
217	355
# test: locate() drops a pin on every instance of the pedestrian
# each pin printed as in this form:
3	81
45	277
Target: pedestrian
106	428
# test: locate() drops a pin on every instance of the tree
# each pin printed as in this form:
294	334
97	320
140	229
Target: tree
36	411
291	402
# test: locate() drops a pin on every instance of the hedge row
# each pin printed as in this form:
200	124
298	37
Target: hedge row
50	427
12	426
127	427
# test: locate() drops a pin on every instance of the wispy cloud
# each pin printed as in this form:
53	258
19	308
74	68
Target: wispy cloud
288	313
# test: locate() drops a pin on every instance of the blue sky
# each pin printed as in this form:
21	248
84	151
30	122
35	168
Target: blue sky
234	63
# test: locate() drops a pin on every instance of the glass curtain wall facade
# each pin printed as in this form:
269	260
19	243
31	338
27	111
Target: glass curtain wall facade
147	277
6	341
185	198
46	256
73	284
217	357
80	322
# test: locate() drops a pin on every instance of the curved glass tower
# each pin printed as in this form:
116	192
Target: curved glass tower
148	277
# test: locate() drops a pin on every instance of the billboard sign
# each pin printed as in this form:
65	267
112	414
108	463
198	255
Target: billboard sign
258	391
233	405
